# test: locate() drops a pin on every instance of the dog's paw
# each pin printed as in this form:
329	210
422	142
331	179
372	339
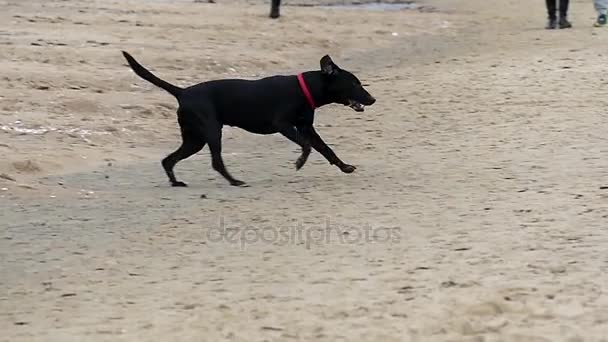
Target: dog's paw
299	163
179	184
237	182
348	168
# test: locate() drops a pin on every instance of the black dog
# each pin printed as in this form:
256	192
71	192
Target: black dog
277	104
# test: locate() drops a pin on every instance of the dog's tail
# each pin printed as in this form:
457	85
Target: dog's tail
148	76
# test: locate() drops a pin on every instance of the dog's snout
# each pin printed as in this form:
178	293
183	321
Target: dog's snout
372	100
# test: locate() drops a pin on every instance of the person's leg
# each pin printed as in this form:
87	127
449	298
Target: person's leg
563	14
275	8
601	6
563	8
551	10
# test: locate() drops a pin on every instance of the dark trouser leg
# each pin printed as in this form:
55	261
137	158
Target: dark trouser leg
274	8
563	8
551	8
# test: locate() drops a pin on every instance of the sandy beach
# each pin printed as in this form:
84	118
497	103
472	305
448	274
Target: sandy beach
478	211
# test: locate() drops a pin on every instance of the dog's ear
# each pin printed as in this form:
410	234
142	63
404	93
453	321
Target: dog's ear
328	67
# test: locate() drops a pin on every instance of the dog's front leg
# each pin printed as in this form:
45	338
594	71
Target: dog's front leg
318	144
292	134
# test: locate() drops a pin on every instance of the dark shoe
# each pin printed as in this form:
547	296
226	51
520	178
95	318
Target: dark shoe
551	24
601	21
564	23
274	13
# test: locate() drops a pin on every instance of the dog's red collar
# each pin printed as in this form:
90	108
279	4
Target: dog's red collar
306	92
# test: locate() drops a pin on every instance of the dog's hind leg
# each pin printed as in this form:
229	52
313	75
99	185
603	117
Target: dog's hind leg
191	144
213	132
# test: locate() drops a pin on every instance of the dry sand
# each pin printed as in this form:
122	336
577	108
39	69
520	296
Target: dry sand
478	212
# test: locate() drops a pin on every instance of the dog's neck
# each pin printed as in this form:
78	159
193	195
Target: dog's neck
315	81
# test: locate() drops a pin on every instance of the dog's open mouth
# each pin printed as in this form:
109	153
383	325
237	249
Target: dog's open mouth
356	106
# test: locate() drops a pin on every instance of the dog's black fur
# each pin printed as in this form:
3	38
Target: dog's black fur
270	105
